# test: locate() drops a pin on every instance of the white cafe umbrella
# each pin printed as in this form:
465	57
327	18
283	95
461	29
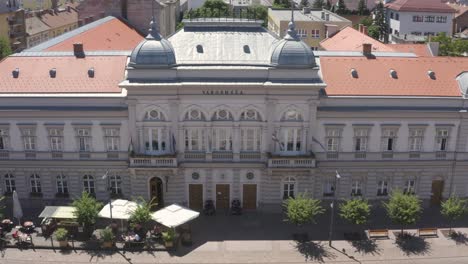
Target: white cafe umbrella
17	210
174	215
121	209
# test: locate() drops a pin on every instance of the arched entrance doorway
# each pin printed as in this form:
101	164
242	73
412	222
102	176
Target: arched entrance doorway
156	191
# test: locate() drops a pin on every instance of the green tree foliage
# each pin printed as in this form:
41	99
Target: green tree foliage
302	209
259	12
142	213
327	5
86	210
318	4
356	211
362	8
216	5
341	8
5	48
403	209
450	46
373	31
453	208
304	3
281	4
380	21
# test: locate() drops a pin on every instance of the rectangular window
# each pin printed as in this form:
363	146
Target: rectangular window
29	138
426	34
360	139
329	188
62	185
356	188
391	15
250	138
442	136
389	136
222	139
3	138
315	33
441	19
415	139
291	139
56	139
112	137
194	139
84	139
409	187
397	16
156	140
302	33
382	188
429	19
333	139
416	33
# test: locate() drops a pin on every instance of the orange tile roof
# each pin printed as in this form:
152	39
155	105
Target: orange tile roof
420	6
111	35
71	77
374	76
350	39
421	50
60	18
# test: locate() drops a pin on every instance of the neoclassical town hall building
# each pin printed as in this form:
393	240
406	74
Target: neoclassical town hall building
225	110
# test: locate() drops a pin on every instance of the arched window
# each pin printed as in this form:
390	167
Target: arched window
250	115
289	187
154	115
222	115
195	115
88	184
10	184
291	115
35	184
115	184
62	184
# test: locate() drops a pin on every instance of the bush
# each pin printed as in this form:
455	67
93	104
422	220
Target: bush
107	235
142	213
403	209
356	211
86	210
169	235
453	208
301	210
61	234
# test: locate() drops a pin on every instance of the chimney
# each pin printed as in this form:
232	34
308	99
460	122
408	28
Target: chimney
68	9
80	22
327	17
364	30
54	4
53	72
306	10
366	49
15	73
323	15
360	27
78	50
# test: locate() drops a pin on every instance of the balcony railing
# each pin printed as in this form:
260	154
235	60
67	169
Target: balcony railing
153	161
245	156
222	156
194	156
291	162
388	156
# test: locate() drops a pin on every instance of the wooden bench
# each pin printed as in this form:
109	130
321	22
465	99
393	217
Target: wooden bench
378	233
427	232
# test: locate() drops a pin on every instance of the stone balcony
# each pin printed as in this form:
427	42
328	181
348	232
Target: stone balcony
166	161
299	161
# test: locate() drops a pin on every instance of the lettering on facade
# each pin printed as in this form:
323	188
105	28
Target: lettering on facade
223	92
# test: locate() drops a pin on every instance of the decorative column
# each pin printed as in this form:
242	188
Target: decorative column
236	141
174	119
141	140
312	122
270	115
132	128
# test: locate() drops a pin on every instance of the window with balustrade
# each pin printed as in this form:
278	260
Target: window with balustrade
194	139
222	139
250	139
156	140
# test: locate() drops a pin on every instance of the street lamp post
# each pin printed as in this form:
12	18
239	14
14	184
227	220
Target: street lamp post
332	207
105	177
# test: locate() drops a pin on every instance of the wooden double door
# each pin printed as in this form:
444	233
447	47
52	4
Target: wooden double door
437	189
222	196
249	196
196	197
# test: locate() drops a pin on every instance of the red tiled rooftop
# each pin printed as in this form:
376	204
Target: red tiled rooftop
420	6
421	50
350	39
374	76
60	18
111	35
71	77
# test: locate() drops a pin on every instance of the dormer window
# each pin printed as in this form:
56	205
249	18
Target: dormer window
154	115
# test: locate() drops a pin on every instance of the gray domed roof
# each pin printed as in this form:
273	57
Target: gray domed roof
291	52
153	51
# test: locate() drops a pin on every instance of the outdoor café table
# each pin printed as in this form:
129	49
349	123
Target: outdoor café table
28	224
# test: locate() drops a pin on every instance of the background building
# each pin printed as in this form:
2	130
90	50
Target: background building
12	24
312	25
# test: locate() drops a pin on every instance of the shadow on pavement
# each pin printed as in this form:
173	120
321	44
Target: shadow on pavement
412	245
366	246
313	251
459	238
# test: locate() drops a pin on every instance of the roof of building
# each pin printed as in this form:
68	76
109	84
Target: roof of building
8	6
314	15
460	9
353	4
350	39
213	42
60	18
421	50
108	33
72	74
35	25
436	6
411	76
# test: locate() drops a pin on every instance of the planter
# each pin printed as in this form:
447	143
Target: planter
107	244
169	244
63	244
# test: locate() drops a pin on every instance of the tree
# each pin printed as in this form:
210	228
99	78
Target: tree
356	211
318	4
327	5
142	213
86	210
449	46
281	4
216	5
373	32
304	3
362	8
453	208
259	12
403	209
302	209
5	48
380	21
341	8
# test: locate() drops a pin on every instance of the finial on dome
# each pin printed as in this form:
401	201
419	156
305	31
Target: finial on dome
153	32
291	33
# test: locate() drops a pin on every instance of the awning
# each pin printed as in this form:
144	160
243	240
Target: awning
174	215
121	209
64	212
